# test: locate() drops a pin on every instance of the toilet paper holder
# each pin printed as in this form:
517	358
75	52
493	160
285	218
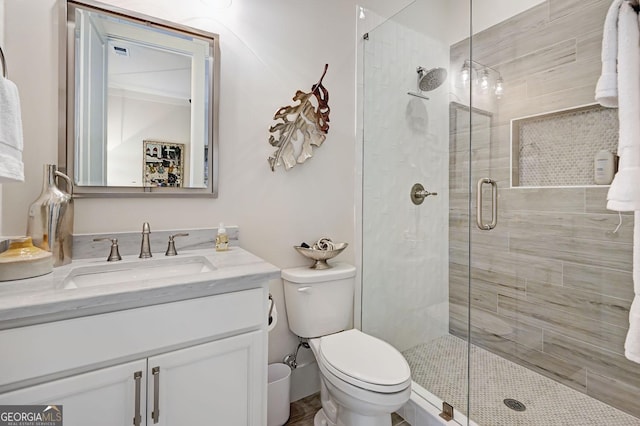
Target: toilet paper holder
271	304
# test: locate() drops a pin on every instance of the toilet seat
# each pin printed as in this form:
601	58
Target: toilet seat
363	361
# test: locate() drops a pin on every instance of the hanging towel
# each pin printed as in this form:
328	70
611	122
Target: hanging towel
632	344
607	87
11	166
624	194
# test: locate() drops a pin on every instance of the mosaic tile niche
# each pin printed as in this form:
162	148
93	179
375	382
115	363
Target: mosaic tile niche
558	149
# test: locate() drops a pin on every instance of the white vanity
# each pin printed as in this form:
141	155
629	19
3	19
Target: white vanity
172	350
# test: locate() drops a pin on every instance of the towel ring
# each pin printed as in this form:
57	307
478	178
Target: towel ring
4	63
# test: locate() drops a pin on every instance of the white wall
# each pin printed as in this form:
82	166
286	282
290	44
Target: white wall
31	47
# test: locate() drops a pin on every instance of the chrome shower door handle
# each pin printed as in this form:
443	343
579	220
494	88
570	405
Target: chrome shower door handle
494	208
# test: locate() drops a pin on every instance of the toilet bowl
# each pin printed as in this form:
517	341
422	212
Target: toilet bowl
363	379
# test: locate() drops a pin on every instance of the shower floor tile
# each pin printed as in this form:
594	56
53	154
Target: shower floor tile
440	367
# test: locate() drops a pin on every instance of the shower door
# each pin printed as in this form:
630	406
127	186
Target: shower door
509	291
415	199
551	284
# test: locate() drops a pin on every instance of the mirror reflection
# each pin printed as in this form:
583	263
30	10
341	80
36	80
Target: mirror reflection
140	103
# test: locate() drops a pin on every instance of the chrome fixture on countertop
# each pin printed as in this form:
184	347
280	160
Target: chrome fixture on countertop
171	248
145	247
114	254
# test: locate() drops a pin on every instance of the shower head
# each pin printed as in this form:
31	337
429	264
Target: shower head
429	80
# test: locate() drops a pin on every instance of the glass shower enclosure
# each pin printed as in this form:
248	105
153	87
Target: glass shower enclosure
501	277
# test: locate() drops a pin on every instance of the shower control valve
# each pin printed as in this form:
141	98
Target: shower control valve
418	194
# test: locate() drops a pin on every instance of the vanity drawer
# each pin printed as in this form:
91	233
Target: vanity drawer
64	347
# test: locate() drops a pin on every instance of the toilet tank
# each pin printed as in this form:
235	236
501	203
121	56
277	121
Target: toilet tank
319	302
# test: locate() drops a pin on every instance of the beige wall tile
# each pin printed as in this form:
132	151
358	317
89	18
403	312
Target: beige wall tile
590	44
596	201
543	199
563	322
614	392
548	57
611	282
578	225
537	33
562	8
584	72
526	106
491	328
588	252
581	303
497	44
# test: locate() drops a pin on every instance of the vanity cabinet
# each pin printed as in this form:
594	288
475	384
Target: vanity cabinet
208	384
192	362
104	397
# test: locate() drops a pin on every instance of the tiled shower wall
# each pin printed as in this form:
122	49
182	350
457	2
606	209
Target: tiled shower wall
404	262
551	284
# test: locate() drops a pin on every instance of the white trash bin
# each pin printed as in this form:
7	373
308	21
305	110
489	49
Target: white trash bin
278	392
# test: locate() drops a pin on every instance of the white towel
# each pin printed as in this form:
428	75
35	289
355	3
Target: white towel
607	87
632	344
624	194
11	166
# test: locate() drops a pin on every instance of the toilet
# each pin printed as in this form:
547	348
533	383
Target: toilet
363	379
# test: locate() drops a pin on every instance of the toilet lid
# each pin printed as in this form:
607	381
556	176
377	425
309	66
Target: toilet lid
358	357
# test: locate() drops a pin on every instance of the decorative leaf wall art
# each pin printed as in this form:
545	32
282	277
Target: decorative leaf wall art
309	120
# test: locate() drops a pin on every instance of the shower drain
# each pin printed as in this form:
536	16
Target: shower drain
514	404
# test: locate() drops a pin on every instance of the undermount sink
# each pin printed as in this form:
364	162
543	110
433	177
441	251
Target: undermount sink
143	270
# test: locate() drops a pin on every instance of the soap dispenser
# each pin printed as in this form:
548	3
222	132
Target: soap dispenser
604	167
222	239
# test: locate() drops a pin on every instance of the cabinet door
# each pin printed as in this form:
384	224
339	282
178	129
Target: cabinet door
217	383
104	397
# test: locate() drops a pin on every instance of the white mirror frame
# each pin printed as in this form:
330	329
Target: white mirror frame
67	96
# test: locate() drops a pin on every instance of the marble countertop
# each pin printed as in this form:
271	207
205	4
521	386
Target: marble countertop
44	299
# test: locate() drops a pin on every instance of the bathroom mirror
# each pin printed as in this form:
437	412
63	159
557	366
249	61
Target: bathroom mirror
139	104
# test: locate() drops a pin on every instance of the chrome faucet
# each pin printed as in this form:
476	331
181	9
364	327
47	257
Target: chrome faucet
171	247
145	247
114	254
